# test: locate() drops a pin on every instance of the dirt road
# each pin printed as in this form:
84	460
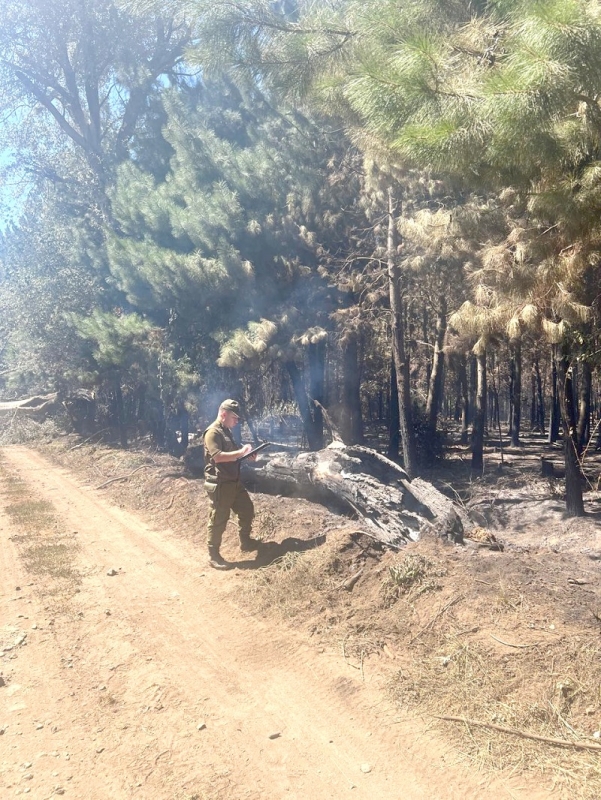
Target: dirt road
153	683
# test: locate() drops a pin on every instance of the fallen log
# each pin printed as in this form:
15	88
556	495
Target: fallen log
32	406
361	480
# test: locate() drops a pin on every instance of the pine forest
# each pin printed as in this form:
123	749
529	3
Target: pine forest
373	220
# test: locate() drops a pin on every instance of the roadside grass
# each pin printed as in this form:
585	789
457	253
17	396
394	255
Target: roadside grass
34	515
45	547
285	583
552	693
55	560
13	487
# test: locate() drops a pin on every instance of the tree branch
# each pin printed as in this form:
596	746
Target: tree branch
523	734
43	98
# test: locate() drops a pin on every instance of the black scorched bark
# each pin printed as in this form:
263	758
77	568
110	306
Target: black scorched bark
360	480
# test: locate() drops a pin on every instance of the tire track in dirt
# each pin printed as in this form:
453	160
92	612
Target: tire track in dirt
141	658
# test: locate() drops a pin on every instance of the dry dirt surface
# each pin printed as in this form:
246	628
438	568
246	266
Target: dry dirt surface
129	670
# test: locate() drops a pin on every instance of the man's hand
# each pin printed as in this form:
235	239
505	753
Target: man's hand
246	449
233	455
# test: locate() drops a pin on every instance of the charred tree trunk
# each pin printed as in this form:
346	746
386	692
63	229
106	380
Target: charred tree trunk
533	404
314	436
479	415
538	403
465	399
351	427
584	406
120	413
574	500
401	361
362	481
394	439
425	337
436	376
317	369
555	417
516	393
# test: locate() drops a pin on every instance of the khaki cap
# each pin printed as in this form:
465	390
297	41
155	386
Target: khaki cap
233	406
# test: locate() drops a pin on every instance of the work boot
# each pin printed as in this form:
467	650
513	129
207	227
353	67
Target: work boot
248	544
217	561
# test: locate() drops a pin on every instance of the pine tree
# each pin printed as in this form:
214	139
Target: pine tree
223	241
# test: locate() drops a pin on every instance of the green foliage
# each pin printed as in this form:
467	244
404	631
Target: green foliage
230	240
236	218
117	339
47	272
414	574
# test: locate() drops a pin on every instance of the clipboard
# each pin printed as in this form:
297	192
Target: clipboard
256	450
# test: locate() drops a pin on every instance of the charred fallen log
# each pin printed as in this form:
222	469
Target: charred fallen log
361	480
38	406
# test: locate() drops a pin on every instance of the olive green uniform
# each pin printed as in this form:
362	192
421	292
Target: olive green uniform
222	483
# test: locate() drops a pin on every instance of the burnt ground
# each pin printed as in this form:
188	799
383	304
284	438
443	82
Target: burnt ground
503	632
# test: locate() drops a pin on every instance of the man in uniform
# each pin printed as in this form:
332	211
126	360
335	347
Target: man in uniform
222	483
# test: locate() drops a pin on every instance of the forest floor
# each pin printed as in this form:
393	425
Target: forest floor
326	667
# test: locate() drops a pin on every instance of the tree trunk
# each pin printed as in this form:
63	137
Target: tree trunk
425	337
362	481
435	387
533	403
314	439
472	387
494	409
317	369
401	362
537	398
584	406
516	394
394	438
120	413
574	500
465	399
555	419
351	427
40	405
479	415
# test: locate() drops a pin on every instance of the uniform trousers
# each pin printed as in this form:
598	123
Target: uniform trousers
225	498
